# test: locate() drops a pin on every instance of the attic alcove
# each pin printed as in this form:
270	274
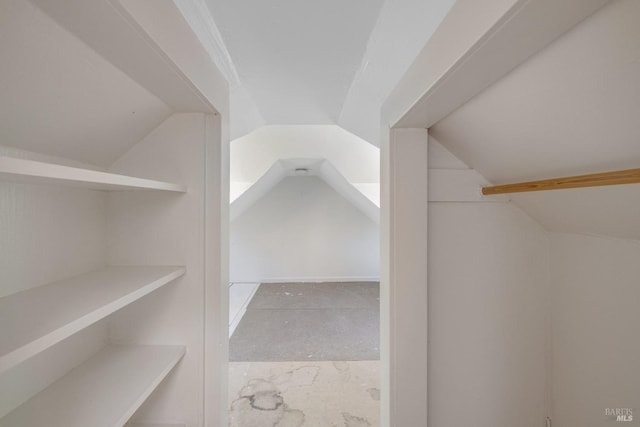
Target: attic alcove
319	225
108	139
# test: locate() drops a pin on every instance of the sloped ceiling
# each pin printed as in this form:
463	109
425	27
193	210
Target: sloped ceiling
59	97
571	109
320	168
260	160
297	58
402	30
331	62
354	157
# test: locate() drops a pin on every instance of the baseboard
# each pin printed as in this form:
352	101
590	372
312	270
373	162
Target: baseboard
236	321
153	425
235	317
308	279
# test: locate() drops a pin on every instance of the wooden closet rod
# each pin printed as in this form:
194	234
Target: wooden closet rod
630	176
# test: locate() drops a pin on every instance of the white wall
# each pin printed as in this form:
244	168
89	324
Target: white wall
48	233
487	306
595	325
487	316
302	230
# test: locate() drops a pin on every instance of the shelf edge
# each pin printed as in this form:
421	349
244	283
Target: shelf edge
150	389
30	171
25	352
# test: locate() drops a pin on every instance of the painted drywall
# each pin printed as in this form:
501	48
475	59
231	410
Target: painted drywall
64	98
296	70
22	382
253	154
595	320
579	117
166	229
362	196
588	77
403	296
302	230
242	107
403	28
48	233
487	318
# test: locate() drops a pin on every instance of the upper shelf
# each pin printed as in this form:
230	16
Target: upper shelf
104	391
36	319
20	170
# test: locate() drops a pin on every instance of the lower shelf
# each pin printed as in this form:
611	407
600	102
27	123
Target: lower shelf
36	319
105	391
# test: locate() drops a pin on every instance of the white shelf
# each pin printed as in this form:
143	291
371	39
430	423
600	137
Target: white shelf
20	170
105	391
36	319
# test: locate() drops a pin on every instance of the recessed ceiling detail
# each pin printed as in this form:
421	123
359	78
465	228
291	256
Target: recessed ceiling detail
354	157
246	197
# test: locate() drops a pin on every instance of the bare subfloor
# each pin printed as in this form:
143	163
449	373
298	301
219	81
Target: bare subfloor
306	355
295	394
309	321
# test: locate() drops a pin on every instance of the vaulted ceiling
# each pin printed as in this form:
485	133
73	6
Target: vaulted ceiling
330	62
572	108
253	154
304	167
296	58
65	92
260	160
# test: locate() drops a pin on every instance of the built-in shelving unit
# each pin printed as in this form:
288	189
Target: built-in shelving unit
155	120
104	391
20	170
35	319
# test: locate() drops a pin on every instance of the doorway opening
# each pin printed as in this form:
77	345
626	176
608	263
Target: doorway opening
304	302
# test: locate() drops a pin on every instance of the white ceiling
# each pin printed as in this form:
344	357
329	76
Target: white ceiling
261	159
296	58
252	155
572	109
59	97
321	168
330	62
402	30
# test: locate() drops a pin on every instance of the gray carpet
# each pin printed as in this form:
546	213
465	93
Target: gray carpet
309	321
